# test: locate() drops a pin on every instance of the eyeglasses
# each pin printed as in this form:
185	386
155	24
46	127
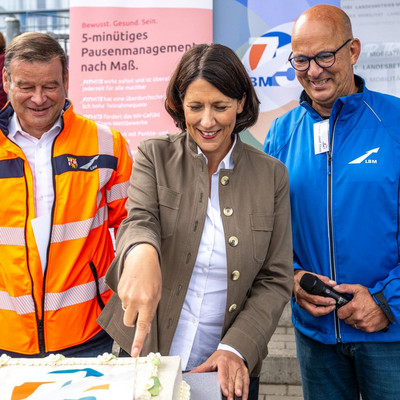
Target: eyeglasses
325	59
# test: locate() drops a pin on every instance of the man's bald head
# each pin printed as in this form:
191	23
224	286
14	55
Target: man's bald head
333	18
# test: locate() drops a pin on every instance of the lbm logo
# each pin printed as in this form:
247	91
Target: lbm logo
270	72
272	49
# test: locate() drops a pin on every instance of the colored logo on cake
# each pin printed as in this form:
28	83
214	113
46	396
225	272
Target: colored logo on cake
29	390
272	75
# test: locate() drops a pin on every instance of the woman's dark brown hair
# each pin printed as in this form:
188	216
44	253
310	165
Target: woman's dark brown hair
2	43
221	67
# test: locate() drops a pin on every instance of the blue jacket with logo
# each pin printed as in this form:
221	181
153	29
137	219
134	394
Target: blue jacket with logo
345	204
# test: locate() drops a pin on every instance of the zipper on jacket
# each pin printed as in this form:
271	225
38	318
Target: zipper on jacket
41	337
42	344
96	281
39	322
330	223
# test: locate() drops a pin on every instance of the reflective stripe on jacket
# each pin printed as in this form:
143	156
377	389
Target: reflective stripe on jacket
57	309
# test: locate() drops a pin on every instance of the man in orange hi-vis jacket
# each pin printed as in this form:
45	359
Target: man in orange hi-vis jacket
63	184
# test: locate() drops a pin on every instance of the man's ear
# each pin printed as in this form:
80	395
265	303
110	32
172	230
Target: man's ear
66	82
355	50
6	83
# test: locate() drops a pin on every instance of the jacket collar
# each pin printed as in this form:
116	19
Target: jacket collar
236	152
306	101
7	113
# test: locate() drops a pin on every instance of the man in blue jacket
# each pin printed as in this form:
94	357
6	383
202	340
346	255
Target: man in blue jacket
342	150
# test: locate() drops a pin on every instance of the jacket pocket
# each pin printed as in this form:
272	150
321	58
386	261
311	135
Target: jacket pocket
96	281
169	202
261	229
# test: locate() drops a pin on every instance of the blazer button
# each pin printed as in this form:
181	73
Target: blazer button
233	241
235	275
224	180
228	211
232	308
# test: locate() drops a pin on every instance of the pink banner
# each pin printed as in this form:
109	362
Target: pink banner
121	60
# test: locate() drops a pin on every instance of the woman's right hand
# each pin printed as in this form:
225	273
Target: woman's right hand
139	289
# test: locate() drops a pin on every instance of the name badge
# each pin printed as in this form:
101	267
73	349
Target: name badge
321	136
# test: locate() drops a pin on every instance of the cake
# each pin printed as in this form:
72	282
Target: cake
105	377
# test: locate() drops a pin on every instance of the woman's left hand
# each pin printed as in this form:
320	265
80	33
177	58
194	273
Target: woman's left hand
233	375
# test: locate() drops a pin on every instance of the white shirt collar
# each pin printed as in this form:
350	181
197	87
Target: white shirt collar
227	162
14	127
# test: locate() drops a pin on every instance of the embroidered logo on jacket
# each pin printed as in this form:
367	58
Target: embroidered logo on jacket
72	162
365	158
89	165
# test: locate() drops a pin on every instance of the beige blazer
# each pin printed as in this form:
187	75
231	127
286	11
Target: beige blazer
167	208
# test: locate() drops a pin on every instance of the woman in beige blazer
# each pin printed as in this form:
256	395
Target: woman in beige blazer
208	237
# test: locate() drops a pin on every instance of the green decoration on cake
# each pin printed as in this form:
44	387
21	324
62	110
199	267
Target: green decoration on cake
153	386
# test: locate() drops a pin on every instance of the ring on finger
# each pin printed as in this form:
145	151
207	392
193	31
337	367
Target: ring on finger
123	307
355	326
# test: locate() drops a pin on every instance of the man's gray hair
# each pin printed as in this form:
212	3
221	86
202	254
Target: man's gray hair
34	47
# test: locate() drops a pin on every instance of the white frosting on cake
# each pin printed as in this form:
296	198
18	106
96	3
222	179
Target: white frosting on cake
105	377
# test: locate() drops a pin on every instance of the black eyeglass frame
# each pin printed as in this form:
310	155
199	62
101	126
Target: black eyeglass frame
333	53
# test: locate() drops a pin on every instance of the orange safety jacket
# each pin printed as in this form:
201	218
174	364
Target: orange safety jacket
56	309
